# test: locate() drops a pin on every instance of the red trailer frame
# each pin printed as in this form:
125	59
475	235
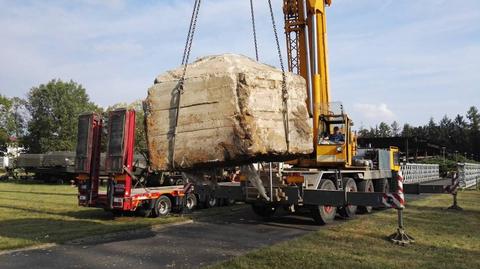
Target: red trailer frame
121	195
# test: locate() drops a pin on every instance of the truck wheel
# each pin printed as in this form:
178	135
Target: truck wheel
264	210
163	206
210	202
365	186
349	211
229	202
324	214
191	201
381	185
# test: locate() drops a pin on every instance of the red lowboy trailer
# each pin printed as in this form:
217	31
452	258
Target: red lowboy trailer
124	191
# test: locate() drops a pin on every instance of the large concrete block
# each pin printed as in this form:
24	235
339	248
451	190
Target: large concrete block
230	113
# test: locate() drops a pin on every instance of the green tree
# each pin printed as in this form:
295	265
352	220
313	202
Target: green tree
384	130
54	108
474	129
5	120
12	120
408	130
396	131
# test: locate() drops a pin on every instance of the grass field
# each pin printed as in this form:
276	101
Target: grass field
444	239
32	214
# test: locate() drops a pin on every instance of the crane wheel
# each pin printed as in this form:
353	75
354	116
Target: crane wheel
365	186
348	211
324	214
382	185
162	207
211	201
263	210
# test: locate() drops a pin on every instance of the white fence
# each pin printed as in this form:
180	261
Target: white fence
418	173
469	174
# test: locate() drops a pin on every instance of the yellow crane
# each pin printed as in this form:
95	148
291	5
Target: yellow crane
306	36
324	181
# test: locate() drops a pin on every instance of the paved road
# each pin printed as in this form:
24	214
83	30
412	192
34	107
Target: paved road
226	233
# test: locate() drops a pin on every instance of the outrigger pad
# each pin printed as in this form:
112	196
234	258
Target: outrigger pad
401	238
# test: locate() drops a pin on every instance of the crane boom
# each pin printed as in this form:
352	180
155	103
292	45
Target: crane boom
306	35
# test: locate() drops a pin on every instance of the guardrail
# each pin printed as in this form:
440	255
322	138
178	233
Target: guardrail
418	172
469	174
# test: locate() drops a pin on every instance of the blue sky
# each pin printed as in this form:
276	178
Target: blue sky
389	59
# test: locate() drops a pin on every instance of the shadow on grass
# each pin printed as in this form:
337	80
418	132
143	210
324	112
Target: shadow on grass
88	214
442	209
41	193
48	230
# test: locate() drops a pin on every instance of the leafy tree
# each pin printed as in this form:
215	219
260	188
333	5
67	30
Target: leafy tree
5	120
396	131
12	120
474	126
408	130
384	130
54	108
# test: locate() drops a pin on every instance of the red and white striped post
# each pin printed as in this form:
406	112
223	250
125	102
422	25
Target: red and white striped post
453	189
398	201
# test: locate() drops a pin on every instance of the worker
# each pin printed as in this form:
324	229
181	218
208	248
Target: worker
337	136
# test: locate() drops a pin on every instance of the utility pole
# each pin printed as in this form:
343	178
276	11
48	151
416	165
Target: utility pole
443	151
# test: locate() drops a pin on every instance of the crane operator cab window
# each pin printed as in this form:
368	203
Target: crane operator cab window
331	134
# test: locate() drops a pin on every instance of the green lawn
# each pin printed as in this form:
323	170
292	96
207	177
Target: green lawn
444	239
32	214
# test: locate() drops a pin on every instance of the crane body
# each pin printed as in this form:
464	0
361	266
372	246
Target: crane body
336	175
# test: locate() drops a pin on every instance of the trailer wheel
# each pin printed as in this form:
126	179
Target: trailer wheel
163	206
349	211
365	186
324	214
381	185
263	210
144	211
191	201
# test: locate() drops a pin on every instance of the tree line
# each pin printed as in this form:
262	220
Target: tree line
46	120
460	134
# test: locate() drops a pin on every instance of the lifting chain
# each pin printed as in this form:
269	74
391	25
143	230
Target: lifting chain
178	91
188	43
254	30
284	80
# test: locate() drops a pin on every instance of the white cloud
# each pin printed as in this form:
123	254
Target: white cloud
373	113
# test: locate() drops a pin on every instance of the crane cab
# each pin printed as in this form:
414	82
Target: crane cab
335	144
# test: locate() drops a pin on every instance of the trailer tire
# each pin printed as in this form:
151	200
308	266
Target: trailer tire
144	211
162	207
365	186
191	201
348	211
324	214
263	210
